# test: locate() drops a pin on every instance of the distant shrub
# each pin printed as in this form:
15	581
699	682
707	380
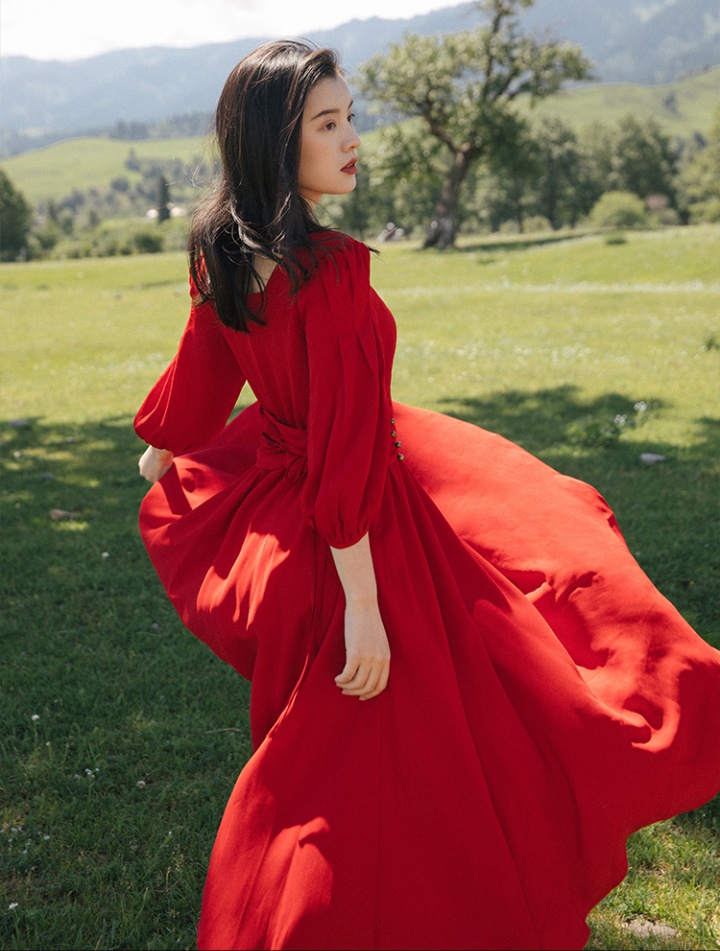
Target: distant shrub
148	242
535	224
660	212
668	217
43	240
705	211
615	237
619	210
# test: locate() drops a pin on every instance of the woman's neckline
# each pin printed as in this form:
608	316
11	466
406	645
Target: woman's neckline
265	277
324	234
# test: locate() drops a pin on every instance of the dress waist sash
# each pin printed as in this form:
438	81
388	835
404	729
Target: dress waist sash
282	447
285	447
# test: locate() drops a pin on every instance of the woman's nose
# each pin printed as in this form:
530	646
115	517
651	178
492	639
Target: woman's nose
353	140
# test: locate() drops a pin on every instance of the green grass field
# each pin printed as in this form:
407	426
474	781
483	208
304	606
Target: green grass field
124	736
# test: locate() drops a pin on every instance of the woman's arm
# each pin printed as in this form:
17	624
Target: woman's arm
367	666
192	399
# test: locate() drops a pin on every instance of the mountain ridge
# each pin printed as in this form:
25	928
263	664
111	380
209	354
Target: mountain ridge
645	41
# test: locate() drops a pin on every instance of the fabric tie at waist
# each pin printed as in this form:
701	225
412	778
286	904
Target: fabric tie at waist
282	447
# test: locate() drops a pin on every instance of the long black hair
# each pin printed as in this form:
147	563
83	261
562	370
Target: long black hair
254	207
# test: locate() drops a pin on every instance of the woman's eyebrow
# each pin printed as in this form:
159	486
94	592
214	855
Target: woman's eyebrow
330	112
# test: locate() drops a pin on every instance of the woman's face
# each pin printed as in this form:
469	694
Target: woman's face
328	142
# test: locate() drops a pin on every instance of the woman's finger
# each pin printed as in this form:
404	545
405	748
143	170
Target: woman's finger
381	684
367	682
363	683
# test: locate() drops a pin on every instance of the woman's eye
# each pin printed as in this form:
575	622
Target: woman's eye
351	118
330	125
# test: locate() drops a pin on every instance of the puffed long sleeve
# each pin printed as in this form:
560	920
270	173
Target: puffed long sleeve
192	400
350	338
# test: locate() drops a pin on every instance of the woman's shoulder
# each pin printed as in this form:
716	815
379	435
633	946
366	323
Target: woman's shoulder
336	292
338	253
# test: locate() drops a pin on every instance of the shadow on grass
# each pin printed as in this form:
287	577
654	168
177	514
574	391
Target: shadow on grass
555	418
123	735
70	497
88	633
493	243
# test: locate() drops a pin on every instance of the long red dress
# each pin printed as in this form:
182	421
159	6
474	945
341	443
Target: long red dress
544	701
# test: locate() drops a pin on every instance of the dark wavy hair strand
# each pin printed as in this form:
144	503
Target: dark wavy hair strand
254	208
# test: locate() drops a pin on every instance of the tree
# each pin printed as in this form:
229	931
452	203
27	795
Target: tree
502	189
642	159
560	190
700	177
465	87
617	209
406	166
15	220
163	206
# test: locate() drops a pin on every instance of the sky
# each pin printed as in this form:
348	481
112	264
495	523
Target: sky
76	29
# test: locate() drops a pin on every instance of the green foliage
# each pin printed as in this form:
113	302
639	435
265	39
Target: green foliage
119	237
498	201
631	155
602	430
617	209
464	87
706	211
642	160
700	176
148	242
462	84
15	220
558	179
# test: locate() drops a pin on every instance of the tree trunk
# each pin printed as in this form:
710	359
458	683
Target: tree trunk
443	228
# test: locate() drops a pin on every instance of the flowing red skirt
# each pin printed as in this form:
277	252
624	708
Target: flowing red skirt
545	700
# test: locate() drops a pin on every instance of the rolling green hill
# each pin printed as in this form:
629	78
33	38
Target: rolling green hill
86	163
683	107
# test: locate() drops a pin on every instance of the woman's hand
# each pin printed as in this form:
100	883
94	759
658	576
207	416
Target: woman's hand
154	463
367	667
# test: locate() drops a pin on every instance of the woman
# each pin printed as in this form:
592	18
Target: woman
544	700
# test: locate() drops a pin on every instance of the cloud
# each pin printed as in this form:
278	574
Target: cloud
73	29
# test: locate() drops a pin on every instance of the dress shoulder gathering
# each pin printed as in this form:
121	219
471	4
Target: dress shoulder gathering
545	700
